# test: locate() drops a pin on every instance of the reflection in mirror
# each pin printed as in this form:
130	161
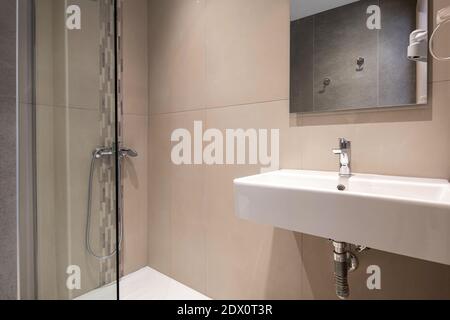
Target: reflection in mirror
348	54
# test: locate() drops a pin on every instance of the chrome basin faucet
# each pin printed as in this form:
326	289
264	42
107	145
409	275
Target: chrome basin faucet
345	156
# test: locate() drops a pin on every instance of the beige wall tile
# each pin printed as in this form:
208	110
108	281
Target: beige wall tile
59	59
194	43
279	268
188	253
247	45
187	214
61	168
46	221
135	57
290	145
135	193
159	187
234	246
317	269
77	60
83	64
176	225
176	55
244	259
44	53
77	131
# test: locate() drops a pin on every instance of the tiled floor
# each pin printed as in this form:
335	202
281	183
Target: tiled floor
146	284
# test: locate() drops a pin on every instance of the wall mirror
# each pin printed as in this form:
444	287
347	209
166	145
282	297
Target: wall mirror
348	54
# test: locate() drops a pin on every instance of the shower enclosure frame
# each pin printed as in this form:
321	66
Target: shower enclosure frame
27	214
26	209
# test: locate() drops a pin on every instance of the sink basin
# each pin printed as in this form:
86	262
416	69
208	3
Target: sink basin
407	216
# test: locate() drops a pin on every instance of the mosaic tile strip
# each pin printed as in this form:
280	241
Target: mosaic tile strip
107	223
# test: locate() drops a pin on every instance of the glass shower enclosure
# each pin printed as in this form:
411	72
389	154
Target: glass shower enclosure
69	136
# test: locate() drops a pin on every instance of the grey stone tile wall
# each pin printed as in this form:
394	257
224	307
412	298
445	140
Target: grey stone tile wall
341	37
302	65
328	45
8	220
397	73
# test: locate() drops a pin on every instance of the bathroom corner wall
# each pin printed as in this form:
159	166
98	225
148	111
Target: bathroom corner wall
135	126
226	63
8	197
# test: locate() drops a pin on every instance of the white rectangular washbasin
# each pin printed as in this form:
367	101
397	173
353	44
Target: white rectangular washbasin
407	216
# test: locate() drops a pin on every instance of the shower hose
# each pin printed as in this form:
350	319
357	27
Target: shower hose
97	155
431	47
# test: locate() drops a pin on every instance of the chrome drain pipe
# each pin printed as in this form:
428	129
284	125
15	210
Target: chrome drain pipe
341	270
344	262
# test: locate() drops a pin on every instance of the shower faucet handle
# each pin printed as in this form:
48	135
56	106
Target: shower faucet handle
127	152
103	152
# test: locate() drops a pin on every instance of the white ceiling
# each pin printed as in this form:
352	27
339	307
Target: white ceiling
305	8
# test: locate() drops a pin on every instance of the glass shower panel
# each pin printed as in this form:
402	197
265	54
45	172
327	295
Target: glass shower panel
75	138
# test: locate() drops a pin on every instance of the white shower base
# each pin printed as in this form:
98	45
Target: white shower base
146	284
